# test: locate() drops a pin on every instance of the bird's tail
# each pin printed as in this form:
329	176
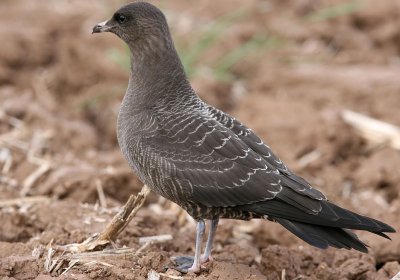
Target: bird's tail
329	227
323	237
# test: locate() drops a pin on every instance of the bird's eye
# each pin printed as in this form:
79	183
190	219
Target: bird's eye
120	18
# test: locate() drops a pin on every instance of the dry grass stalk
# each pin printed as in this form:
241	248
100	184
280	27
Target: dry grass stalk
86	257
309	158
33	177
50	264
71	265
6	157
396	277
375	131
147	241
115	227
155	239
283	274
171	276
143	247
153	275
53	265
100	193
23	201
31	143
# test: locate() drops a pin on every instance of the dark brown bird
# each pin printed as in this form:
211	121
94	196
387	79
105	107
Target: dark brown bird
206	161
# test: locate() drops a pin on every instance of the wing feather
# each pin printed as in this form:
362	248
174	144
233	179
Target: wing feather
223	171
291	180
218	162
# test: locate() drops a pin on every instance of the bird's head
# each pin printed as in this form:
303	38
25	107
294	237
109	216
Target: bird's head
135	21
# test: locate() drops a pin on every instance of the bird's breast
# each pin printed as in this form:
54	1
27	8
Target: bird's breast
128	135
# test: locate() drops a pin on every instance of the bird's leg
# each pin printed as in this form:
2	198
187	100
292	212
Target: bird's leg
207	253
190	264
199	242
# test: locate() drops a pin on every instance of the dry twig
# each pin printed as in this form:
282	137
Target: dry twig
53	265
171	276
24	200
149	240
114	228
6	157
309	158
155	239
375	131
396	277
33	177
100	193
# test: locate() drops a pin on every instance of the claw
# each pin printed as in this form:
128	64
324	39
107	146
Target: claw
185	264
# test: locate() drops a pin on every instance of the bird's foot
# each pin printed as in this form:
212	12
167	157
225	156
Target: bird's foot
205	259
186	264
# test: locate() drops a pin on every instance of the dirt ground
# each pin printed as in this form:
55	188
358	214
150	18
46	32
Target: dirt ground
60	89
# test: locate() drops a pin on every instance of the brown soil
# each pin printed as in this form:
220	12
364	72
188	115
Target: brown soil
60	88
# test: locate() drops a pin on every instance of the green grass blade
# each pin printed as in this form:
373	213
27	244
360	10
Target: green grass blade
256	44
211	36
334	11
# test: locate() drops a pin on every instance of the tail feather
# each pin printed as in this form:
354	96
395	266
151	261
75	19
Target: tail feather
382	234
329	227
322	236
330	215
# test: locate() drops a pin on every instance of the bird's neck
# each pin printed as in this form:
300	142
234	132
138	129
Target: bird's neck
157	75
